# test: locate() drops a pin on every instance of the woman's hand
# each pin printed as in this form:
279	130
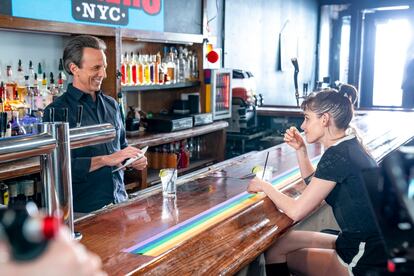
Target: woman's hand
294	139
256	185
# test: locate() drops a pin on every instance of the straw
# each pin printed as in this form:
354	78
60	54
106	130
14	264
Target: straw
172	175
264	169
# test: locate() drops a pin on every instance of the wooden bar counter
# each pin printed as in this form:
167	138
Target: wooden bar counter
226	246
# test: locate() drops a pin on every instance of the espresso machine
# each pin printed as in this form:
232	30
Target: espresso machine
244	102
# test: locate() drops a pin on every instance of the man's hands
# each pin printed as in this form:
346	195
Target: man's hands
116	159
141	163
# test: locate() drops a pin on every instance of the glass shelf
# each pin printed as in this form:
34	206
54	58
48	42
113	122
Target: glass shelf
160	87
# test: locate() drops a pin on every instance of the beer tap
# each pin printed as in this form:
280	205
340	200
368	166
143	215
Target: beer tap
79	116
295	78
65	115
52	115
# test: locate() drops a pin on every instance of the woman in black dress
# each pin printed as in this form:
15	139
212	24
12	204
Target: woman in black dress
338	180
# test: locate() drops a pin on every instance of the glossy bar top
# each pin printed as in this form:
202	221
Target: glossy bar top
225	247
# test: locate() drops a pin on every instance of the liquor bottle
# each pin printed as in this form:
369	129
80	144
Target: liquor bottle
164	157
178	152
38	101
2	95
172	157
28	189
187	71
176	68
39	70
147	79
60	84
133	69
28	99
191	147
152	68
185	155
31	73
39	199
140	70
62	71
194	66
47	97
157	68
53	90
11	86
170	69
128	79
12	193
20	74
4	194
123	69
8	132
181	67
16	128
21	84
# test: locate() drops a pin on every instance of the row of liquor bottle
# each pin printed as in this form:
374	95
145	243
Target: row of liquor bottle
173	67
20	191
28	89
175	155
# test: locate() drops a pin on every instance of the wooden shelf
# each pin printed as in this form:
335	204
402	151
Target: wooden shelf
153	178
136	88
19	168
155	139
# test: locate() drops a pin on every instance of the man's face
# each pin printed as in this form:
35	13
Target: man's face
89	76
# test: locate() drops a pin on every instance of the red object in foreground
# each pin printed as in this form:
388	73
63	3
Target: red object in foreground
50	227
390	266
212	56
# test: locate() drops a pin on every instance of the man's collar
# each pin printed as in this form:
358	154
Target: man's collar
76	93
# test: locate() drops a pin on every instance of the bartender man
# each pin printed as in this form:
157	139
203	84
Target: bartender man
93	182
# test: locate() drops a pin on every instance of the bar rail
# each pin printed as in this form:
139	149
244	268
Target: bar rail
21	147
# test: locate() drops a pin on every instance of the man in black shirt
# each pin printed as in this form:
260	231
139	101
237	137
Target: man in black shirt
94	184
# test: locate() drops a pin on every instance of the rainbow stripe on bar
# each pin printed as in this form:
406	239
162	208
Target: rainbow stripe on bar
168	239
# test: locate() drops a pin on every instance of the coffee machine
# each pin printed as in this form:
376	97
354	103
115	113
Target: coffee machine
244	102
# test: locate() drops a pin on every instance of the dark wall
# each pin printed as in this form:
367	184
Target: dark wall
5	7
252	43
183	16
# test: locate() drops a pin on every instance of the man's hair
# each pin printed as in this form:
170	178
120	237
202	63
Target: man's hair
73	52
